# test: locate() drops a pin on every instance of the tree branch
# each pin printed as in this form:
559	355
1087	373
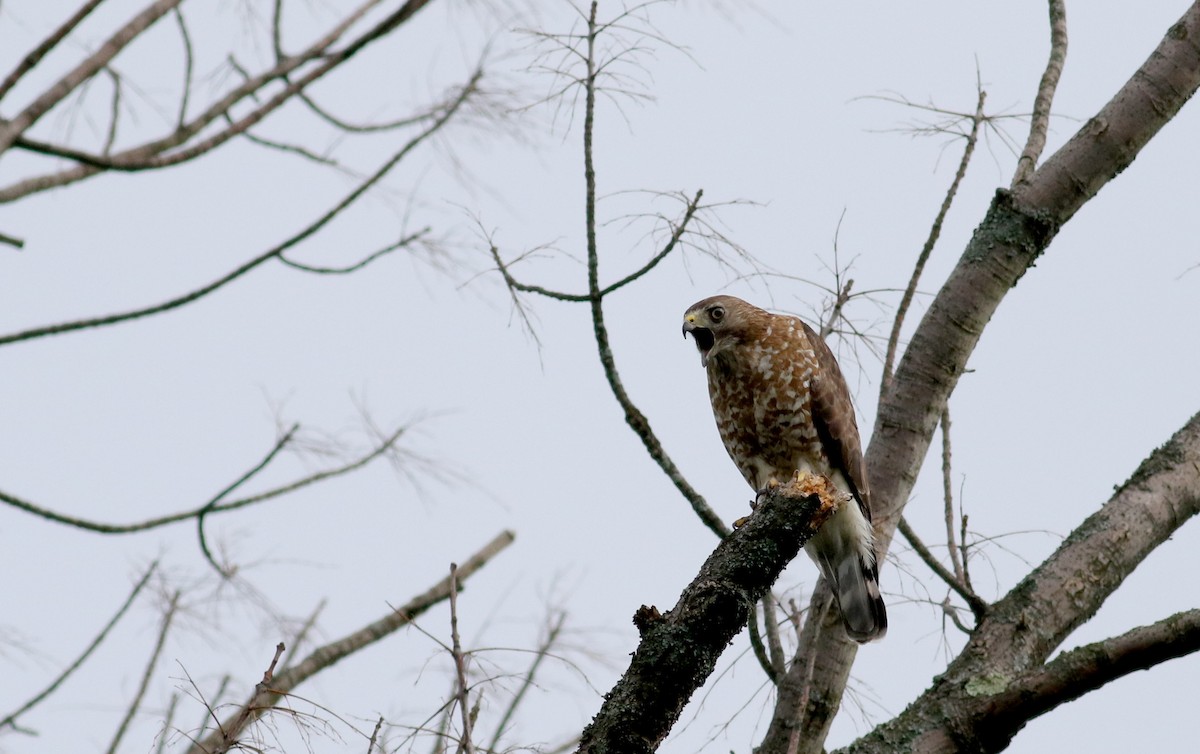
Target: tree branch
104	528
679	650
1017	229
11	718
272	253
323	657
965	709
1040	121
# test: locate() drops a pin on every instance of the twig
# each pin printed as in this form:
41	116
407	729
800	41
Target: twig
633	417
261	700
11	718
147	675
329	654
375	736
272	253
154	523
46	45
771	625
280	444
462	690
1040	121
935	231
948	499
13	241
540	655
759	649
973	600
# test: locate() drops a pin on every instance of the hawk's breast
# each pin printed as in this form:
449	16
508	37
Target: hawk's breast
761	399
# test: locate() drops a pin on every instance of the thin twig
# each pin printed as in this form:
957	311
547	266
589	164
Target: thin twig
633	417
759	649
1040	121
11	718
948	500
935	232
375	736
542	652
460	668
46	45
280	444
256	704
276	251
335	651
104	528
978	606
771	626
132	710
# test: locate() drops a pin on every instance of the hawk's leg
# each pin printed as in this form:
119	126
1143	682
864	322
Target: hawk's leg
772	483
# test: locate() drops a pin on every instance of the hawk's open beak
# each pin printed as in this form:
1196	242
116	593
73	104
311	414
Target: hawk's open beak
703	337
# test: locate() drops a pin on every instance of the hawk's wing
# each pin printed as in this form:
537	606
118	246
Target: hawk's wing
833	417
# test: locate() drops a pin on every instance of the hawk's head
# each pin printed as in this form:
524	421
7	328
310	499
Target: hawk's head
717	323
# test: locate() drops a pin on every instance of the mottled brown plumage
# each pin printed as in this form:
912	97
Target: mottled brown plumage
782	406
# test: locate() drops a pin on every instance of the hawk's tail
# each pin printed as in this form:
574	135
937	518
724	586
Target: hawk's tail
855	584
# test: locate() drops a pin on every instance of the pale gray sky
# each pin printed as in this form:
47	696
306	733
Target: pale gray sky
1088	365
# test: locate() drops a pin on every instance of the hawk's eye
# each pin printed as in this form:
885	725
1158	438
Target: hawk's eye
717	313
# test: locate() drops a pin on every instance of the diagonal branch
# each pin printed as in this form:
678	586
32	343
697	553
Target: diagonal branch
1040	121
1017	229
1087	668
98	527
11	718
935	232
967	706
46	45
679	650
272	253
12	129
323	657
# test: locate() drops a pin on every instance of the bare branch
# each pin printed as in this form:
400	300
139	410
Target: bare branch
151	664
380	449
1024	628
679	650
8	240
976	603
46	45
948	501
10	720
272	253
935	232
1087	668
1045	94
12	129
329	654
259	701
540	654
636	420
280	444
462	689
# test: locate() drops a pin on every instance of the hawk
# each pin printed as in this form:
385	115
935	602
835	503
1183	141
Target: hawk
782	406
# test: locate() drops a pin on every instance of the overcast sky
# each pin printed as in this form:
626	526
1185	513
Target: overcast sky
1089	364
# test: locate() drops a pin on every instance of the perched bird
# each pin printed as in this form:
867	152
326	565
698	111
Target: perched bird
782	406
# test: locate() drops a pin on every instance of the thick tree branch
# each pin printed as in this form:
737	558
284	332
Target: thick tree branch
1087	668
679	649
968	707
1018	228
